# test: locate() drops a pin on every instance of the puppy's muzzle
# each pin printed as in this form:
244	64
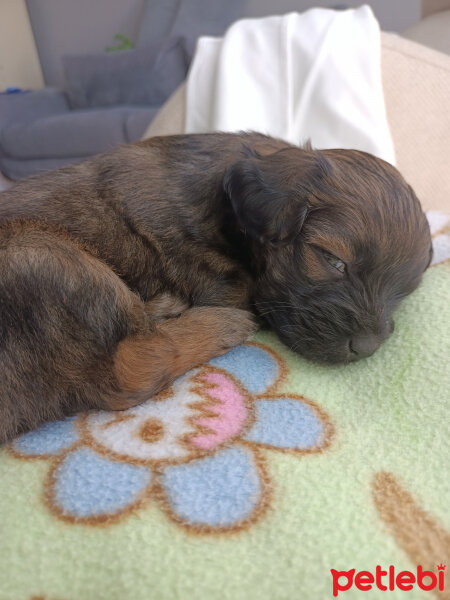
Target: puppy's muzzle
365	344
362	346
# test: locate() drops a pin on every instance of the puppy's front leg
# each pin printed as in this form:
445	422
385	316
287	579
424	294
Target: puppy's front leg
146	364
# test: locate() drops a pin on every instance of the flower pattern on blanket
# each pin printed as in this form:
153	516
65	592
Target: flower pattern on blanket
196	449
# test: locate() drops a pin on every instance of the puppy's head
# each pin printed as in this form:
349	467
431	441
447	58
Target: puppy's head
337	239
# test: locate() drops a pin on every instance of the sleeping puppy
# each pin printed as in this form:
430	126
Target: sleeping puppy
121	273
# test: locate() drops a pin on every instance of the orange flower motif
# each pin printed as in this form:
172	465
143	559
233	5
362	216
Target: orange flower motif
195	448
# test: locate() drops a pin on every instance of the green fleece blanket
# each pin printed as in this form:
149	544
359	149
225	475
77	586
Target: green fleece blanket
257	476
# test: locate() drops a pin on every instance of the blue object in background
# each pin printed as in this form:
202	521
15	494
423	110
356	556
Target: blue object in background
15	90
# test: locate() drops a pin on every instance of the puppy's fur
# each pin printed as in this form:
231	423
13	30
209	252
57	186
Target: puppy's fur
94	257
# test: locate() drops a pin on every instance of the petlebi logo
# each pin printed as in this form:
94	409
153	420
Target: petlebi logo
388	579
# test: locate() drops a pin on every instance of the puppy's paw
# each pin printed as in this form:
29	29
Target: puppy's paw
229	327
240	325
202	333
165	306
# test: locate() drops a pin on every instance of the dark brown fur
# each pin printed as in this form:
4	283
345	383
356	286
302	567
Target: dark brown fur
94	257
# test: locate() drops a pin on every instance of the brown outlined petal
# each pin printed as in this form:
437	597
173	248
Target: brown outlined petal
224	492
289	423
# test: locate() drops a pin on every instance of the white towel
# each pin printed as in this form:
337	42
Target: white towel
311	76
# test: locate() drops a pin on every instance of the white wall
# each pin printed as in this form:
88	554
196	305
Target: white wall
393	15
19	63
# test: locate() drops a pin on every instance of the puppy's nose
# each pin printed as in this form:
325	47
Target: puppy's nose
364	345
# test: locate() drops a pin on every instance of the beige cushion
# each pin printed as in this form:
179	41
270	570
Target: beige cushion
433	31
416	83
171	117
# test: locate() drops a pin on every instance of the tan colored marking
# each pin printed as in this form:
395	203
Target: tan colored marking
117	418
340	247
164	395
151	431
419	535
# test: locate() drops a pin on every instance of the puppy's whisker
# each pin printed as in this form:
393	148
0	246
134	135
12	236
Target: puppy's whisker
268	311
278	304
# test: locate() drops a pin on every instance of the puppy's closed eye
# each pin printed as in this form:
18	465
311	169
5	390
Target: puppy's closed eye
322	265
334	261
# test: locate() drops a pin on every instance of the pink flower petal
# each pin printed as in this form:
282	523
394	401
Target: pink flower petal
223	410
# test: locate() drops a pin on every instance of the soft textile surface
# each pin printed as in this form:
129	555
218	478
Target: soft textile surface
251	477
186	18
314	76
145	76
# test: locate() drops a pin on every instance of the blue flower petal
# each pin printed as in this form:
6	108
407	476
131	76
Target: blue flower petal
51	438
217	491
286	423
89	485
253	366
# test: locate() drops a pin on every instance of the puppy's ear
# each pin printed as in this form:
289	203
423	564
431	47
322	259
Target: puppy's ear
266	207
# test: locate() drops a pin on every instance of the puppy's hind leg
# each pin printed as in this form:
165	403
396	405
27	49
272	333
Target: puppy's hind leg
62	315
73	337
